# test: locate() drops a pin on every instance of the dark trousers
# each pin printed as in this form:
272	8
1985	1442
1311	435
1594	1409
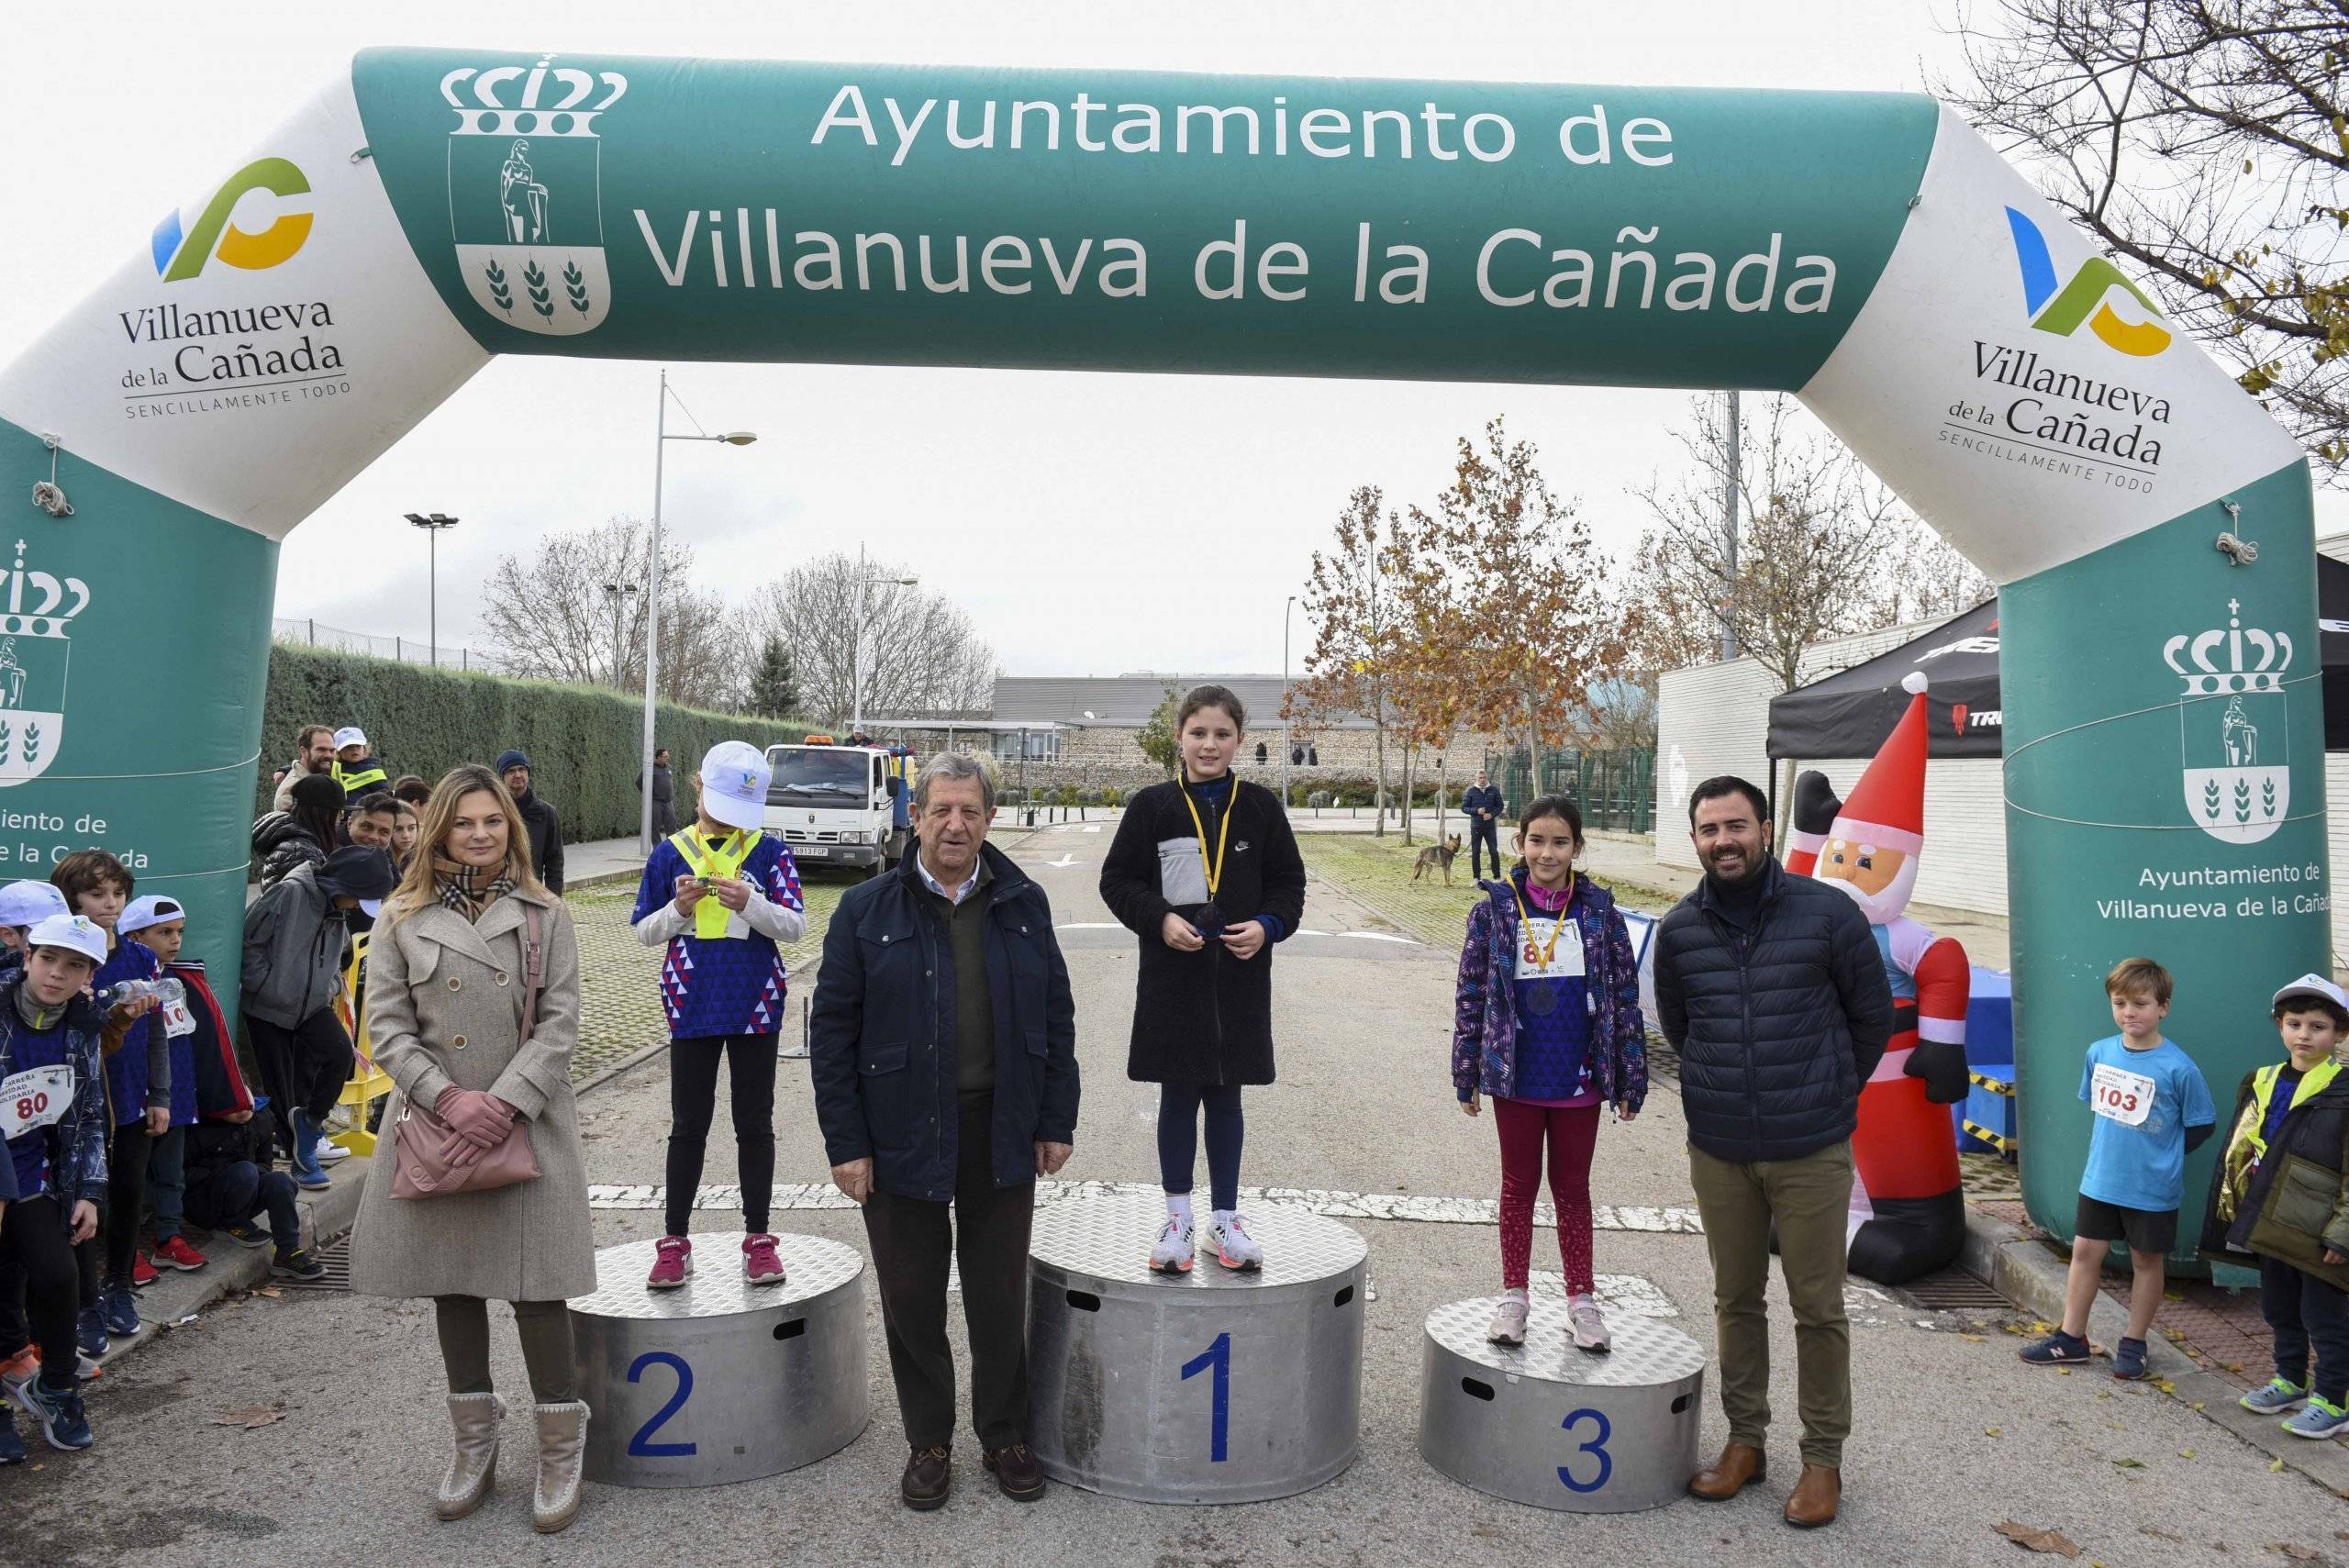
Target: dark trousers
127	1158
35	1251
1484	838
693	1100
1178	1138
2305	1314
302	1068
911	1241
231	1194
167	1182
664	819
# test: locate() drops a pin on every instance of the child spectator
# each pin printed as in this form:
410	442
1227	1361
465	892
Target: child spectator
138	1084
293	972
413	790
23	906
2151	1110
2280	1193
159	925
357	770
305	835
56	1169
230	1165
407	825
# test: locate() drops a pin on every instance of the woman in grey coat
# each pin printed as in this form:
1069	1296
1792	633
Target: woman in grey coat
446	973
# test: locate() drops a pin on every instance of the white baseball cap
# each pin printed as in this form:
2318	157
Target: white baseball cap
350	735
78	933
30	903
734	779
152	910
2315	985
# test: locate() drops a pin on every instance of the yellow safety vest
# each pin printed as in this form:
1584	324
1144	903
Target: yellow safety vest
2248	1146
720	862
354	783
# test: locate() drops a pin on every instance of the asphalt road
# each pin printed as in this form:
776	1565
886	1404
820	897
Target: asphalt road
1953	1434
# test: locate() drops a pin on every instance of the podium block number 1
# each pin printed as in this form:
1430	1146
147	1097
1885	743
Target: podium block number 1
1218	1356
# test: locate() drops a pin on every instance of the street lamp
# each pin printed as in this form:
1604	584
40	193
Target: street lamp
432	525
619	593
1288	730
856	659
661	440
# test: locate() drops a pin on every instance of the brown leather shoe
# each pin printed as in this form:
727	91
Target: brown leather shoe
1817	1494
929	1476
1017	1471
1739	1466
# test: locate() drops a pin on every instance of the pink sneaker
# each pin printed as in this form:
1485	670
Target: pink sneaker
673	1264
761	1265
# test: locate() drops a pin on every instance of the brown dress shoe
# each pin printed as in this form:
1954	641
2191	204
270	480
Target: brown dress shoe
930	1476
1017	1471
1740	1465
1817	1494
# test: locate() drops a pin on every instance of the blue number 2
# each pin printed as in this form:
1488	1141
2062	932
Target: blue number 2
637	1447
1218	1356
1597	1445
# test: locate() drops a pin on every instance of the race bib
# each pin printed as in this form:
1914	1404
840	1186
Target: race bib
35	1098
177	1019
2120	1095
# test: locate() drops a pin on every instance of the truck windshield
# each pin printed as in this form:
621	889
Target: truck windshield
812	774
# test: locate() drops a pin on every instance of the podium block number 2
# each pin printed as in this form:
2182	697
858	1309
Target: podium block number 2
1218	1356
1595	1448
640	1446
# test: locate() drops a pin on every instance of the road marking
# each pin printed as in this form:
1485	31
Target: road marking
1427	1209
1062	863
1384	937
1096	828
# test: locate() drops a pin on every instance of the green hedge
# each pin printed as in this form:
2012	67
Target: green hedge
584	742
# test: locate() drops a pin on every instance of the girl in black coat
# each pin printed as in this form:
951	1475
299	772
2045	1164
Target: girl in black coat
1204	870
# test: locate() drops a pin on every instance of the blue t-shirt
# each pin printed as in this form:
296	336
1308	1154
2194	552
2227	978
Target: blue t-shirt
2143	1101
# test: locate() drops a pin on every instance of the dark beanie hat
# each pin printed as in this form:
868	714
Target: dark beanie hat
319	792
357	872
512	757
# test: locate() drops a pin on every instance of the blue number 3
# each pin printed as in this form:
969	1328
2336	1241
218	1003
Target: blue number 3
638	1446
1597	1445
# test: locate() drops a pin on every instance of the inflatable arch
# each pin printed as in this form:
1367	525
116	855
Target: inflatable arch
2165	781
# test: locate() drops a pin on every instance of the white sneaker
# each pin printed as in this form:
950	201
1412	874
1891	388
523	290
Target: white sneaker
1234	1248
1177	1245
330	1153
1509	1322
1589	1324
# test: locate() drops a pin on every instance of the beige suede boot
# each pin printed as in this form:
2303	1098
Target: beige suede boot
562	1451
473	1467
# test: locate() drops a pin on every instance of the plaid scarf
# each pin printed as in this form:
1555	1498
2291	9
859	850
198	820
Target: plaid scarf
469	890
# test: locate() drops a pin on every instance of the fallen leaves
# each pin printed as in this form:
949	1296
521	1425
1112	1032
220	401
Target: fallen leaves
1993	1431
248	1417
2035	1540
2129	1464
2297	1554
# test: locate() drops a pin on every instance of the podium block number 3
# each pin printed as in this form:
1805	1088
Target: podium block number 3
1218	1356
1595	1448
640	1446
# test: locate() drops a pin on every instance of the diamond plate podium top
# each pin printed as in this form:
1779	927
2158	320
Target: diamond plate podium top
812	1267
1108	1238
1646	1355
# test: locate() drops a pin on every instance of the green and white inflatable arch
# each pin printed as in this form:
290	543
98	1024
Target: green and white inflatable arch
2165	746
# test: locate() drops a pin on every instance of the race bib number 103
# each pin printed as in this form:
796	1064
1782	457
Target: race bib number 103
2119	1096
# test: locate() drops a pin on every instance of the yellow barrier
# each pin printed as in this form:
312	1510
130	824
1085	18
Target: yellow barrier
368	1083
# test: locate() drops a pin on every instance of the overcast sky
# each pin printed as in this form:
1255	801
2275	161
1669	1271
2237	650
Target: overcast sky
1088	523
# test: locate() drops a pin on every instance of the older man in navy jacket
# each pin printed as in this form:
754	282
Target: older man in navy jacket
944	1062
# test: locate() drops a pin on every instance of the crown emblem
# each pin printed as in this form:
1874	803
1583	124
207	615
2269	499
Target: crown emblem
2271	655
41	618
536	109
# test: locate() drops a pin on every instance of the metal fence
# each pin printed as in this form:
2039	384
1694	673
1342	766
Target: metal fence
406	650
1615	789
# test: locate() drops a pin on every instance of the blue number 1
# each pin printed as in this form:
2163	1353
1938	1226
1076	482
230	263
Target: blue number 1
638	1446
1597	1445
1218	1356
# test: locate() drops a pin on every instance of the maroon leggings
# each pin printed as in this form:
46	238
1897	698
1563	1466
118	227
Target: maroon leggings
1571	1135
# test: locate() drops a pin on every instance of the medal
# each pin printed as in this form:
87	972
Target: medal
1209	919
1541	1000
1540	955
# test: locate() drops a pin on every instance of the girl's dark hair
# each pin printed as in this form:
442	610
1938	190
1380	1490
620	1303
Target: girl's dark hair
1198	698
315	805
1558	806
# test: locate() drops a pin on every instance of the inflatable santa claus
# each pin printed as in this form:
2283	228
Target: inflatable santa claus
1908	1212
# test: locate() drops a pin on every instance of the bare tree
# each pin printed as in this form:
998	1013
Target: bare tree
2203	141
922	653
553	619
1349	603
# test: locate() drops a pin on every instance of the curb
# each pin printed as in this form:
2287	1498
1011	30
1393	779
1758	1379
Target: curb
2030	1274
176	1298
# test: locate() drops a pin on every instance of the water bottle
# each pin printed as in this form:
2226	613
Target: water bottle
165	992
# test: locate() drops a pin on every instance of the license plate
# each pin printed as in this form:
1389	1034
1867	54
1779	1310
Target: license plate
811	851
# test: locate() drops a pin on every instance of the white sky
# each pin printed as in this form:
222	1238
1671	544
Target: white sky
1090	523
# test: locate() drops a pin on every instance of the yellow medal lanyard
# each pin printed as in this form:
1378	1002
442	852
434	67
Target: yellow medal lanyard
1541	954
1212	870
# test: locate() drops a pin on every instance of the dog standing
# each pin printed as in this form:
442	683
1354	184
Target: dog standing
1437	857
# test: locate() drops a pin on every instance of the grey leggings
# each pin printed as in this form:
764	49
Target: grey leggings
546	1346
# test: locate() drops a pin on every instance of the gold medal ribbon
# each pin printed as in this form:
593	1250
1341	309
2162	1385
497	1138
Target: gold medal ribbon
1211	870
1542	955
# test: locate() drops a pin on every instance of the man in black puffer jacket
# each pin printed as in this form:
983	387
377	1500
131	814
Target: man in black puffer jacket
1773	991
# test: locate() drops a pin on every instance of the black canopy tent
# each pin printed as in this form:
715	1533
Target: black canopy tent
1848	714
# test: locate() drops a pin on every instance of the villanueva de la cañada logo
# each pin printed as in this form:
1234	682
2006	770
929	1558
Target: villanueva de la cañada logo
182	248
2233	735
526	207
34	652
2061	310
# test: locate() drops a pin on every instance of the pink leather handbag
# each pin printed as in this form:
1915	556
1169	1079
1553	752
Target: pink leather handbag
429	1160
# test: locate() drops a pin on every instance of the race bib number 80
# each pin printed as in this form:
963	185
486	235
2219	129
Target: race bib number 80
2119	1095
36	1097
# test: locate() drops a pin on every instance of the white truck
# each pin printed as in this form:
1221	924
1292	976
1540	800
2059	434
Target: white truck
837	805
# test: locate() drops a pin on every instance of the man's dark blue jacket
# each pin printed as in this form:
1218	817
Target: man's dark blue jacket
1486	798
882	1021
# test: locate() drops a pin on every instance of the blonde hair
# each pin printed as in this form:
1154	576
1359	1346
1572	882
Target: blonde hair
417	890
